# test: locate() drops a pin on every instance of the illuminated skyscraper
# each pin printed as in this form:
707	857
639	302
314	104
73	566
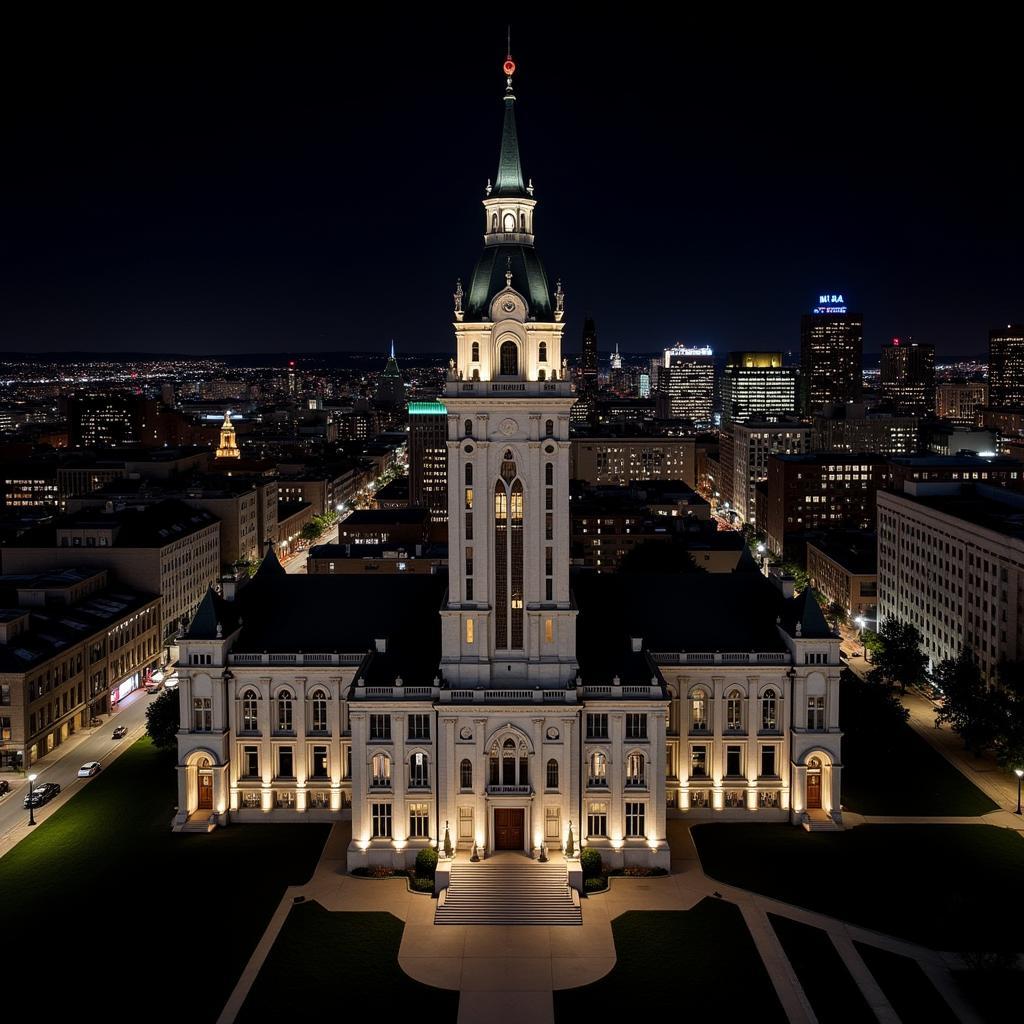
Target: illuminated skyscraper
686	383
908	376
831	354
428	458
1006	367
756	384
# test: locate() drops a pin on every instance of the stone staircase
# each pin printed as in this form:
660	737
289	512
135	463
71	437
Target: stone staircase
819	821
508	891
200	822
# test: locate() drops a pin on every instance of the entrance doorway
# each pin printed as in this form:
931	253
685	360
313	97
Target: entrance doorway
508	828
814	784
205	788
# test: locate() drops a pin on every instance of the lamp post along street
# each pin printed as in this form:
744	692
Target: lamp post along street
1019	772
31	789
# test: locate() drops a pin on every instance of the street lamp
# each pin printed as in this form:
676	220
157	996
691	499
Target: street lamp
1019	772
861	623
31	788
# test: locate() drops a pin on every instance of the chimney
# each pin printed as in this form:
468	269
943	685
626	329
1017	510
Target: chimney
381	645
637	643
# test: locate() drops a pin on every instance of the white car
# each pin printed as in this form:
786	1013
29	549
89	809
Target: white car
88	769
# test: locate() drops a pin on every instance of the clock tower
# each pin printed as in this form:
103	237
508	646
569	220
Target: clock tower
509	620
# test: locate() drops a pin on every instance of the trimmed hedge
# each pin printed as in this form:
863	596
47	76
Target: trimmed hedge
426	863
598	884
590	861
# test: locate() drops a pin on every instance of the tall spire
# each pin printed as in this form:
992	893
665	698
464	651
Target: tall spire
392	348
509	181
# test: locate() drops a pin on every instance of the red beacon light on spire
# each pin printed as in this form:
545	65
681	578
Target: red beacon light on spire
509	67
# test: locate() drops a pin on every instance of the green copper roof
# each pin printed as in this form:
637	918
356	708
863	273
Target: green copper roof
528	278
427	409
509	181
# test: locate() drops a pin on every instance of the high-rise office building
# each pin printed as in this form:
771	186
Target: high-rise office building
908	377
686	384
756	384
106	421
831	353
428	458
959	403
750	445
586	389
390	389
1006	366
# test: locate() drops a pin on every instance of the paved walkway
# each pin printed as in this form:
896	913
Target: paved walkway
503	972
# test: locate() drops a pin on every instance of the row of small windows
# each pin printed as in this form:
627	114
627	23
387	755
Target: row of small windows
419	771
549	431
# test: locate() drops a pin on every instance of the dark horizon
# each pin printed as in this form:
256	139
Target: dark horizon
311	189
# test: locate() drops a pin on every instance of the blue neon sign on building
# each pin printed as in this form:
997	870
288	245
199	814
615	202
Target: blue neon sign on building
830	303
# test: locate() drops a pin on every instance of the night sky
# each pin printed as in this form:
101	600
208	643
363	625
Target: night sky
270	187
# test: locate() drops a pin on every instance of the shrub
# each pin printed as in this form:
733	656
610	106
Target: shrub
598	884
590	861
422	884
426	863
379	871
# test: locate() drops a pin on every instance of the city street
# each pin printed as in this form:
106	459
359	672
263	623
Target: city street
62	764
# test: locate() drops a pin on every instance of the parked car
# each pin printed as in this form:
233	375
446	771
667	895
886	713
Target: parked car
120	731
42	794
5	787
89	769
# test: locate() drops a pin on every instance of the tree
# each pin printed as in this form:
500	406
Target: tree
310	532
968	706
836	615
1009	701
163	718
899	660
658	557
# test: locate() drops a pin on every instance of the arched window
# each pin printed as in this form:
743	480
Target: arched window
250	711
284	712
522	221
469	474
542	352
508	557
549	473
598	769
734	711
769	711
469	428
509	221
466	774
419	777
549	428
508	359
474	352
494	222
635	775
541	375
381	771
319	711
552	779
698	711
508	762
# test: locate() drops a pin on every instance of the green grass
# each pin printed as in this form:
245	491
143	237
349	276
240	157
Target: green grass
324	963
105	889
888	769
668	961
825	979
904	983
950	887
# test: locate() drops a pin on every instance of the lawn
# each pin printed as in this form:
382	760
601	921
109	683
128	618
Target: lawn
326	964
950	887
904	983
825	979
669	962
106	893
889	770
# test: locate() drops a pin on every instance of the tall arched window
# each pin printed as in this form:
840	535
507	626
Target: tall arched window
250	711
542	352
769	711
598	773
508	557
494	222
698	711
508	359
284	711
380	771
552	774
469	428
509	221
549	473
635	775
549	428
319	711
466	774
508	762
469	474
734	711
419	776
474	352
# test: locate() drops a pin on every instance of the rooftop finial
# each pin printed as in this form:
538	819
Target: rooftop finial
509	67
392	348
508	272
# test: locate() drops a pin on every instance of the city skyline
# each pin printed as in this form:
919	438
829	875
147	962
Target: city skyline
242	197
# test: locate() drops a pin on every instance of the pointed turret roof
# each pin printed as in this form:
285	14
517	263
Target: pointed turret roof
270	568
391	367
808	615
509	181
213	614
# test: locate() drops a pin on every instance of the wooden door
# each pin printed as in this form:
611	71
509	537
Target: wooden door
508	828
205	792
813	790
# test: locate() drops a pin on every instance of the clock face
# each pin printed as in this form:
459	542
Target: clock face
508	427
552	733
466	733
509	305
